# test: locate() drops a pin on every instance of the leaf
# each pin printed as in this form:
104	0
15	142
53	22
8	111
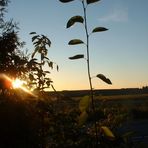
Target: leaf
57	68
107	132
48	42
79	56
46	71
74	20
50	64
32	33
82	118
31	77
66	1
84	103
46	58
99	29
91	1
35	51
103	78
34	37
75	42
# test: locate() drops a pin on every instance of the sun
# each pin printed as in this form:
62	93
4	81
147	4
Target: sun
17	83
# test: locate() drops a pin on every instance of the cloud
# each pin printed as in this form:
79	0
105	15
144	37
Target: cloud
116	15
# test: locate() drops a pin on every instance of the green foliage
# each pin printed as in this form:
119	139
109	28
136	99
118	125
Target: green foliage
79	56
75	19
66	1
82	118
103	78
99	29
107	132
84	104
75	42
91	1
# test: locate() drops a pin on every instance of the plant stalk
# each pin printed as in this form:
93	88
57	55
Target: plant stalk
88	70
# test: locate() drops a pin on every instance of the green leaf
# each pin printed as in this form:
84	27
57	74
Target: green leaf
75	19
103	78
75	42
66	1
32	33
79	56
91	1
84	103
107	132
99	29
82	118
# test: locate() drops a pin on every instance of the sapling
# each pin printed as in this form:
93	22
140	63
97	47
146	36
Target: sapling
41	44
83	106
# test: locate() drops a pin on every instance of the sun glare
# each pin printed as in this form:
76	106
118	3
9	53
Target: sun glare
17	83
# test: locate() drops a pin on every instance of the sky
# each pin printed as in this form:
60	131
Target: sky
121	53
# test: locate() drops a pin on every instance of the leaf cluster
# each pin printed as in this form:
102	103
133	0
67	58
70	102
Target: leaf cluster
38	76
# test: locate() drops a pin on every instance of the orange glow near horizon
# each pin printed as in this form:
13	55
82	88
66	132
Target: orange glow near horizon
17	84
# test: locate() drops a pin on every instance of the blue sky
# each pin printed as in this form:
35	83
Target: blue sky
121	53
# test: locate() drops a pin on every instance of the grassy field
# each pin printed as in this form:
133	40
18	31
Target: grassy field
52	120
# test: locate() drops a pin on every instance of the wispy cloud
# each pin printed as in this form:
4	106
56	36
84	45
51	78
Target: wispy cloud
118	14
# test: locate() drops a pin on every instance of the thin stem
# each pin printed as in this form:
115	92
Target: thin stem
88	69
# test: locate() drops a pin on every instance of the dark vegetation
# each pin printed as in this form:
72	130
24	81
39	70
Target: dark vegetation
60	119
51	121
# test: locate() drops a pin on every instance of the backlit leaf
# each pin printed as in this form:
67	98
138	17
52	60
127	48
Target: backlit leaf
91	1
99	29
103	78
74	20
75	42
107	132
82	118
79	56
66	1
84	103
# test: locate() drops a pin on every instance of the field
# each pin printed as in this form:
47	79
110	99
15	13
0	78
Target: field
51	121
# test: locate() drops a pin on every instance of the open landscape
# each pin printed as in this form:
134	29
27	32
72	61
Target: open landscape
52	120
92	94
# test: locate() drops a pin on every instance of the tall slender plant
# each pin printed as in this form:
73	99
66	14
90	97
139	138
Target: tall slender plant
83	20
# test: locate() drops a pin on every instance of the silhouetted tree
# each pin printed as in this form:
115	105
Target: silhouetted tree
12	63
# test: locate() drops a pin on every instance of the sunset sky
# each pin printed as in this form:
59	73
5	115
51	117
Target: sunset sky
121	53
